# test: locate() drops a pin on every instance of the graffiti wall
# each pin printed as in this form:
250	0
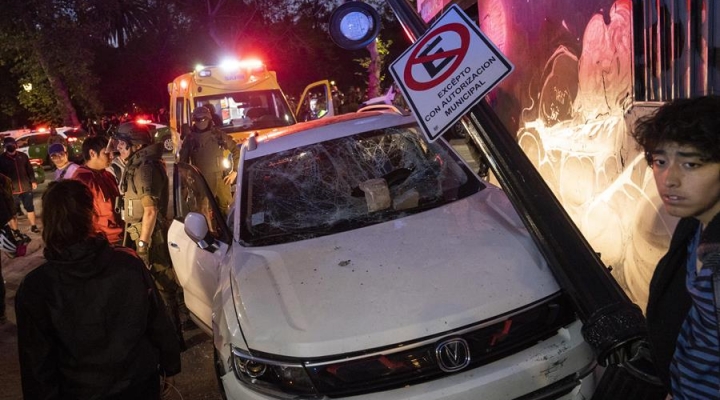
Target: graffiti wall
570	103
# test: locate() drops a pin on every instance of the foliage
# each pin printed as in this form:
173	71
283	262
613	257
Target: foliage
86	57
383	50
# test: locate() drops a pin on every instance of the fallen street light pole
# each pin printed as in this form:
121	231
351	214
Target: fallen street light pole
611	322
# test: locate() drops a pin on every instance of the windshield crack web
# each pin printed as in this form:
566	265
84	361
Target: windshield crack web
318	186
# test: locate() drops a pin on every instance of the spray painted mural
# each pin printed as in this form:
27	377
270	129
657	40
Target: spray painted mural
570	102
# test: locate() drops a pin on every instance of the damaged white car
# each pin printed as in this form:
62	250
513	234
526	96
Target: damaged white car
361	260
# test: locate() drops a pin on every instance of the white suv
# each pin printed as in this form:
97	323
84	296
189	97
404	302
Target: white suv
361	260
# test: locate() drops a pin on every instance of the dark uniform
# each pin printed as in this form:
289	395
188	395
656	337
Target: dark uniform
205	147
144	183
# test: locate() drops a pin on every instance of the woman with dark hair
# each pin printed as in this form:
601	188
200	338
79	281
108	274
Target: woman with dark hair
90	322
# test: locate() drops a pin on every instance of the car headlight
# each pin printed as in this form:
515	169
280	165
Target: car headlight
273	378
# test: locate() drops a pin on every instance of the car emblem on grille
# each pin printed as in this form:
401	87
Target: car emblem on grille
453	354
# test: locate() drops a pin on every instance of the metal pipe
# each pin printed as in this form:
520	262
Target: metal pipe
611	322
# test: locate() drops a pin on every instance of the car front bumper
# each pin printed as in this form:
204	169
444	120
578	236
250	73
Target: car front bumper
560	367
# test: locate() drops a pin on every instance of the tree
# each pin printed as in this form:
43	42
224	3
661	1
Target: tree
120	20
375	63
41	37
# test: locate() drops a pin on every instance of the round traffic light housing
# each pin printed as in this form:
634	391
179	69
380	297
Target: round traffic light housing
354	25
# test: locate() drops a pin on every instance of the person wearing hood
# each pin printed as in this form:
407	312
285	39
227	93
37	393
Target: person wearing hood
90	322
145	188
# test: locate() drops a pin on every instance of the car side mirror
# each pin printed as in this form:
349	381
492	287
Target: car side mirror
196	227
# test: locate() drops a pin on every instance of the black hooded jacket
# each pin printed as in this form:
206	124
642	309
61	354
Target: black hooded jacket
91	325
669	301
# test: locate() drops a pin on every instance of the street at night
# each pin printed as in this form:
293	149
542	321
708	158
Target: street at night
375	200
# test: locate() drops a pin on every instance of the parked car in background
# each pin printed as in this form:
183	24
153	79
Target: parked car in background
360	260
35	143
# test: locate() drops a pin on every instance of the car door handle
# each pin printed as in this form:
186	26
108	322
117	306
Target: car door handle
175	245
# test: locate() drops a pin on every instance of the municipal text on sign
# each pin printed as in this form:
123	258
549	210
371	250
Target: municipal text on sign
448	71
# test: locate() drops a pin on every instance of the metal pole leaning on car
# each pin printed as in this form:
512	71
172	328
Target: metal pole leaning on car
611	322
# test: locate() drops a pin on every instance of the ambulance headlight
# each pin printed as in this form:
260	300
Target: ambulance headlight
354	25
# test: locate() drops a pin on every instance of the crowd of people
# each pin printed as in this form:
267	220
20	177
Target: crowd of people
107	125
104	315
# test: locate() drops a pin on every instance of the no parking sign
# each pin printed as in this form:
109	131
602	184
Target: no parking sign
448	70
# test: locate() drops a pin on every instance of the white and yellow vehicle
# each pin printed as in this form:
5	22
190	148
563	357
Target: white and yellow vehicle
244	95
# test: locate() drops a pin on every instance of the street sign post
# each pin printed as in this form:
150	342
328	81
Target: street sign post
448	70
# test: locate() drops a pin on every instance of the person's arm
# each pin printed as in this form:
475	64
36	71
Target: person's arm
38	368
147	225
187	148
149	219
30	173
234	149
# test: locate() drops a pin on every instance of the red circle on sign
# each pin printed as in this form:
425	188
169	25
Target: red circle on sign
459	54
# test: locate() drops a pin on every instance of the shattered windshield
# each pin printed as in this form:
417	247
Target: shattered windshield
348	183
249	110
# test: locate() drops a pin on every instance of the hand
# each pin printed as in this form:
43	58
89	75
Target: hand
230	179
144	255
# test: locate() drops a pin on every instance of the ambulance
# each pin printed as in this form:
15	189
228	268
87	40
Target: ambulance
246	98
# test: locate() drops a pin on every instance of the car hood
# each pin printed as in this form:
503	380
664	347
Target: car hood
389	283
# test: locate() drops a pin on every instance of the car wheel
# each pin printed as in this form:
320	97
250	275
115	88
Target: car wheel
219	372
167	144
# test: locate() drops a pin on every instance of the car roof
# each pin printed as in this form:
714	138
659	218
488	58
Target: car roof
320	130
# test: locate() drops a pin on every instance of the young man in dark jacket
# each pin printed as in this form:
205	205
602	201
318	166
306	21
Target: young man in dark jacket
16	166
682	145
91	324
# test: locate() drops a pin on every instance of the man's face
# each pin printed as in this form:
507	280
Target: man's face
124	149
59	159
201	124
99	160
689	186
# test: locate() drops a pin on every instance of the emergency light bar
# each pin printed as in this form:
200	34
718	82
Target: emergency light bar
232	65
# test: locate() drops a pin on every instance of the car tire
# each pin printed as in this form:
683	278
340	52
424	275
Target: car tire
168	145
219	372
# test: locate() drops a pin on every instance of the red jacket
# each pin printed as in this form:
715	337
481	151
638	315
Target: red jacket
104	189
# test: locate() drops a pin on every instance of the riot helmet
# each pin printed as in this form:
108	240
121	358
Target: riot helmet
202	119
134	133
131	133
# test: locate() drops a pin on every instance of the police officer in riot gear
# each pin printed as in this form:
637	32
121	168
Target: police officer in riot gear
144	185
205	147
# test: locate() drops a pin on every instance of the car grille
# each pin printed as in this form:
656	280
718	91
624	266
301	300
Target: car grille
417	362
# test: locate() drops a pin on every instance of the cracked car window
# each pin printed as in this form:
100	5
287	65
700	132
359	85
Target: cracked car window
348	183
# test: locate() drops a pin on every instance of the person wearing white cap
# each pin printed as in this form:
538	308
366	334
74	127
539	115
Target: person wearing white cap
65	169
